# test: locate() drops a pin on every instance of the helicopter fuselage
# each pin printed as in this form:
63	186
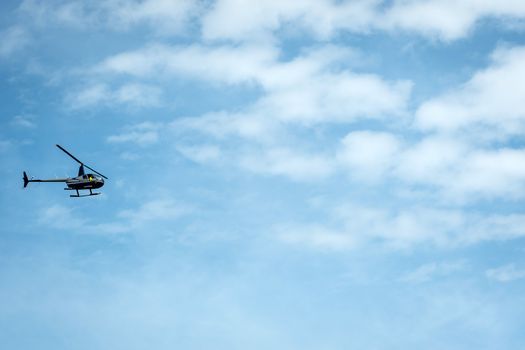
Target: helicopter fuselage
85	182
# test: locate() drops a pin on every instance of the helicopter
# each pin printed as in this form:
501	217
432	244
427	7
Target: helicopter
82	181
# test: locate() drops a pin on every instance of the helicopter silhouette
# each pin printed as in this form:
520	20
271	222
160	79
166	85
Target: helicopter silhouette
82	181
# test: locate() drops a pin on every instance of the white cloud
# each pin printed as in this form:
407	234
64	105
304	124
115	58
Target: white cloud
369	156
139	137
452	168
335	97
317	87
433	161
356	226
5	145
142	134
224	64
157	209
493	227
61	217
507	273
492	173
153	213
14	39
224	125
287	162
448	19
310	88
88	96
43	12
257	20
445	19
352	226
491	99
442	19
402	227
427	272
251	143
23	121
201	153
131	94
138	95
165	17
316	237
462	171
128	156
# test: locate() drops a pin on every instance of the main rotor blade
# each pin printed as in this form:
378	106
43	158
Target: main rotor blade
95	171
69	154
81	163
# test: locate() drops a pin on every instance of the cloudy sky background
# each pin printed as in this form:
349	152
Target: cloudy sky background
293	175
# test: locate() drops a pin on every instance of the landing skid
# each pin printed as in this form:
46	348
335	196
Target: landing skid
78	195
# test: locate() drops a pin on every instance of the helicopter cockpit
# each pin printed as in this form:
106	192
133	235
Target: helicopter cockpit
92	177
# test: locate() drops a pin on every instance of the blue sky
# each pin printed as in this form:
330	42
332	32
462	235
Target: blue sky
291	175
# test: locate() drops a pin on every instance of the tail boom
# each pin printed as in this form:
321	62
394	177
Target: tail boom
27	180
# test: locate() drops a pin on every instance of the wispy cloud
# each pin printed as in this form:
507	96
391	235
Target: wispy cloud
24	121
507	273
5	145
224	126
163	16
204	154
463	170
369	156
443	20
225	63
156	211
290	163
349	226
100	94
88	96
313	88
427	272
142	134
61	217
323	19
446	20
490	100
460	168
307	89
316	237
14	39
